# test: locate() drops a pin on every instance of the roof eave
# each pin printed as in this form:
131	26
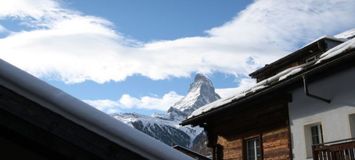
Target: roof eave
258	71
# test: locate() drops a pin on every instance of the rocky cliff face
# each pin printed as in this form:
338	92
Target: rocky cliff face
166	128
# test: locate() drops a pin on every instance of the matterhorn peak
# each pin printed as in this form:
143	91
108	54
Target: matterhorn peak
200	77
201	92
200	81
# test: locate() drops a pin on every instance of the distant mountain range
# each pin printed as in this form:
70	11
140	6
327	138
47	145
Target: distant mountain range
165	127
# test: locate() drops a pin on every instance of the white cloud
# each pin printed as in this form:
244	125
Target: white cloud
128	102
163	103
244	84
36	9
73	47
105	105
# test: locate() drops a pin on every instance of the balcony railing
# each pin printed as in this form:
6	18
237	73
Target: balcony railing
336	150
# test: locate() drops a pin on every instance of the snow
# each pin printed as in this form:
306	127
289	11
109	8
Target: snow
347	34
259	86
328	37
350	44
222	101
85	115
215	104
347	45
292	71
188	100
200	90
147	121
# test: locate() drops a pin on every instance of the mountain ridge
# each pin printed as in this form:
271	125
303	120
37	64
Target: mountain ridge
165	127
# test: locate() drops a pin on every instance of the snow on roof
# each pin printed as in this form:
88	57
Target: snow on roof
347	34
296	52
341	48
323	37
259	86
85	115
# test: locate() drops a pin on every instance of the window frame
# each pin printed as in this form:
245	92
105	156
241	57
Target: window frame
319	132
311	59
309	137
245	147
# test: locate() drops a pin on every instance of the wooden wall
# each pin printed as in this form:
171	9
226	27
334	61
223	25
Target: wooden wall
232	148
275	145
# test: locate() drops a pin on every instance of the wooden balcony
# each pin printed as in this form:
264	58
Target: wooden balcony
336	150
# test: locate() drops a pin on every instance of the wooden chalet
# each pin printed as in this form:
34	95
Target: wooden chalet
38	122
258	124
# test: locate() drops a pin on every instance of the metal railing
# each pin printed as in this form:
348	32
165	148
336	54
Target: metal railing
336	150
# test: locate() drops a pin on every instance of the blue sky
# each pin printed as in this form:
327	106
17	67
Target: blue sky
141	56
150	21
161	19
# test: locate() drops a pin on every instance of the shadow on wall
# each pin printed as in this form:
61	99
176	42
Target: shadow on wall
339	88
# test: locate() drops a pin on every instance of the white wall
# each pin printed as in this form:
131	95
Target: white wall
334	117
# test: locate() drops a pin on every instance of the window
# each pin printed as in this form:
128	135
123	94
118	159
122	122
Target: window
218	152
316	132
252	149
313	136
311	59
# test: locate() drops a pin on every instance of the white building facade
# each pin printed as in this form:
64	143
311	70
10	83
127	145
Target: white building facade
313	121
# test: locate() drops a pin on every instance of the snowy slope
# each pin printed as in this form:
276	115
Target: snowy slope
168	131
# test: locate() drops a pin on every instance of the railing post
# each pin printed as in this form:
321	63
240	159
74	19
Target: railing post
315	152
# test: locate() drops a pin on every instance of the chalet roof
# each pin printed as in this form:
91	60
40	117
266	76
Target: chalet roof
191	153
347	34
295	55
335	56
84	115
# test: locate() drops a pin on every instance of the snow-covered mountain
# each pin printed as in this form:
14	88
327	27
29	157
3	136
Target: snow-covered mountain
201	92
165	127
167	131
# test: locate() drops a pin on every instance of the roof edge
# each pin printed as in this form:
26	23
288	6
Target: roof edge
83	114
253	74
